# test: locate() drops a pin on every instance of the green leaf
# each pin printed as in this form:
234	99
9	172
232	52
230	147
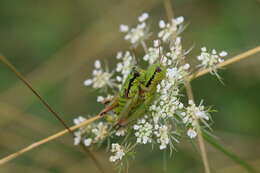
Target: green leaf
211	140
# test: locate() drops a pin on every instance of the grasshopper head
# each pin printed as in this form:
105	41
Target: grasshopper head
131	81
154	74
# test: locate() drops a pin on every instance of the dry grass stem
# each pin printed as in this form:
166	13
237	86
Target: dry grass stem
48	139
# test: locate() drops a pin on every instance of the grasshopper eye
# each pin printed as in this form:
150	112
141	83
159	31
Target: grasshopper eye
158	69
136	74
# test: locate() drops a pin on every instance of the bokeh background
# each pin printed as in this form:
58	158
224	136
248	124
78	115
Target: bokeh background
54	43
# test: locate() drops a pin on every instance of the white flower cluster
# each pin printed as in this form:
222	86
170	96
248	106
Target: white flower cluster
102	99
162	134
118	152
210	60
124	67
168	102
120	132
77	134
100	78
177	74
175	53
100	131
144	131
93	133
153	53
148	131
137	34
192	115
170	30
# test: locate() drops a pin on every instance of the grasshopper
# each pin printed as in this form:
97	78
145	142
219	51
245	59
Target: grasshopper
136	95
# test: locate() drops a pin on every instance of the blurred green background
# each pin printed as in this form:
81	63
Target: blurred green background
54	43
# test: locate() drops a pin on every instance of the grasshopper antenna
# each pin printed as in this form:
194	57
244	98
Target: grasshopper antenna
57	116
160	51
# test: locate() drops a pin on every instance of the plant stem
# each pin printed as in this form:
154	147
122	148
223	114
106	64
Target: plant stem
200	138
168	8
144	47
22	78
169	12
45	140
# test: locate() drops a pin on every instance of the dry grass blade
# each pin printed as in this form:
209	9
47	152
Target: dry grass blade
50	138
61	133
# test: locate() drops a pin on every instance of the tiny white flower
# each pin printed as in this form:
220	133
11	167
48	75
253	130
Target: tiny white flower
223	53
125	65
77	138
143	17
119	78
162	24
179	20
203	49
119	55
97	64
186	66
100	78
191	133
124	28
156	43
100	99
118	152
79	120
120	132
87	142
88	82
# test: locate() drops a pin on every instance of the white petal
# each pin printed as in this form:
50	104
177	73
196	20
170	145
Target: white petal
223	53
203	49
143	17
88	142
88	82
162	24
123	28
97	64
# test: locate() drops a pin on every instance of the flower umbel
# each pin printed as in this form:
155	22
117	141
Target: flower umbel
210	60
100	78
118	152
192	113
170	30
139	33
153	114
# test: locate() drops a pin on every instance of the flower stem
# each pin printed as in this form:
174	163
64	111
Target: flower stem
144	46
169	12
168	9
200	138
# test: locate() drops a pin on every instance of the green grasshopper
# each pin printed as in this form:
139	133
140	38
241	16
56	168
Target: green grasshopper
136	94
